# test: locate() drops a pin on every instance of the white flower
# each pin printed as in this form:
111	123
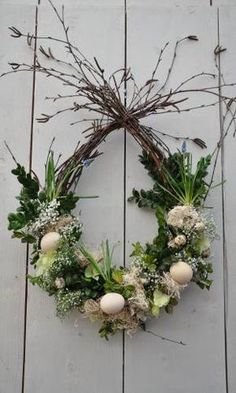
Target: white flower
59	282
48	214
180	240
199	226
183	217
171	243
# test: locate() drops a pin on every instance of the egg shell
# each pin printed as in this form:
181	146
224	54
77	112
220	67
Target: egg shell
49	242
112	303
181	272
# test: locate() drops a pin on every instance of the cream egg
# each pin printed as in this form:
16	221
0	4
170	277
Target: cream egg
112	303
49	242
181	272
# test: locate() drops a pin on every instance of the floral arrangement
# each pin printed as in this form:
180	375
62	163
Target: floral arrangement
120	298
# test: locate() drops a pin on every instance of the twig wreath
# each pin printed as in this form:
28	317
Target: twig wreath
119	297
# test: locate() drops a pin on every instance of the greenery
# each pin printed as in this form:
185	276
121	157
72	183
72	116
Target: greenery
175	182
111	276
29	203
76	277
33	195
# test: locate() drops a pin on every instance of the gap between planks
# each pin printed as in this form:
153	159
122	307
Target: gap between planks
225	261
30	168
124	181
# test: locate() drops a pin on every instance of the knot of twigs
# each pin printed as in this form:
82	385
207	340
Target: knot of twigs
107	100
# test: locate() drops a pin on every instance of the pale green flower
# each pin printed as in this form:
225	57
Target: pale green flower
160	300
44	262
202	244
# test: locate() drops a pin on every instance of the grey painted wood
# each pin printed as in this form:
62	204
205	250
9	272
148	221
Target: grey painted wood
228	60
198	320
15	97
69	356
224	3
169	3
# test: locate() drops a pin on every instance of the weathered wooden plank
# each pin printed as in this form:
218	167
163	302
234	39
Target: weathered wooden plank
198	320
223	2
60	356
169	3
15	97
227	61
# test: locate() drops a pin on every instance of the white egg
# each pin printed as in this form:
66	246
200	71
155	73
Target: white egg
181	272
49	242
112	303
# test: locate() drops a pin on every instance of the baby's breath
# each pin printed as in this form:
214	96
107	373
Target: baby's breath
48	214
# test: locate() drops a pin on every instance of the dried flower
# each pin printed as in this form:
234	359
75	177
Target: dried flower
185	216
199	226
206	253
171	287
59	283
180	240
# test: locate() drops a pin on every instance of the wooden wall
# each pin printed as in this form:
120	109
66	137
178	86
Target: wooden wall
38	352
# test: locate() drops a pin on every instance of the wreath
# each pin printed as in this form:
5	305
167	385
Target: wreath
121	298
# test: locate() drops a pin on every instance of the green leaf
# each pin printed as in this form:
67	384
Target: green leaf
68	203
96	266
160	300
117	276
202	243
91	272
16	221
35	280
44	262
155	310
30	184
127	291
25	237
106	330
137	250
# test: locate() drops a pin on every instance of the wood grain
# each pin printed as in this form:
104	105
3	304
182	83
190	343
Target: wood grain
68	356
198	320
227	62
15	97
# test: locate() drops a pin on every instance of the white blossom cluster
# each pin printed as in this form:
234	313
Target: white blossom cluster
210	227
48	214
71	230
195	262
66	300
185	217
150	277
59	283
62	260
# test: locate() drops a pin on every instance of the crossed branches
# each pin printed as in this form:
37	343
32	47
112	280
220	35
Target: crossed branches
102	96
